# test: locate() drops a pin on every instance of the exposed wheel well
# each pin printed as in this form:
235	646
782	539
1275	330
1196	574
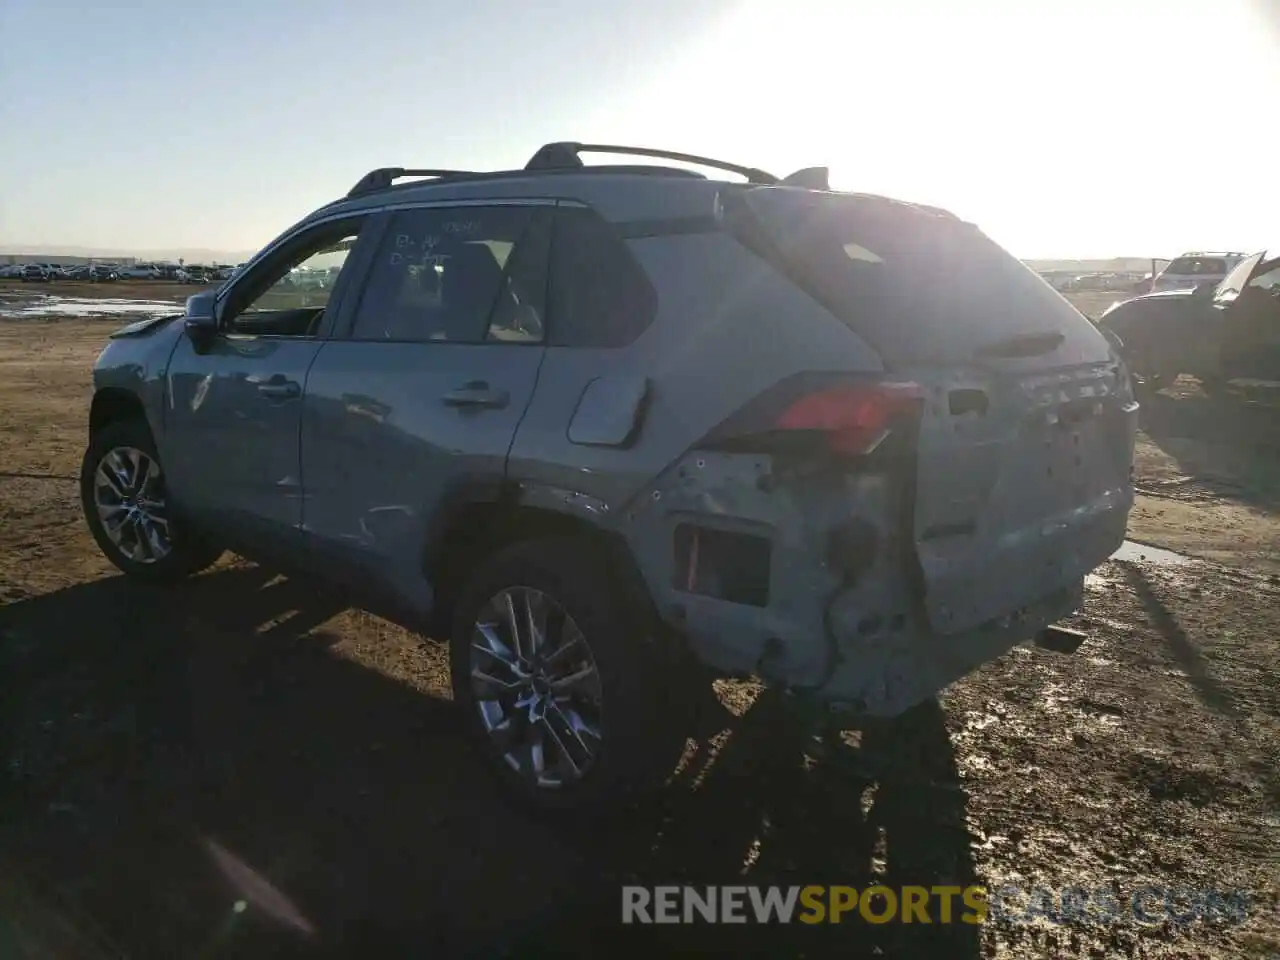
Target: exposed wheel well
477	530
111	404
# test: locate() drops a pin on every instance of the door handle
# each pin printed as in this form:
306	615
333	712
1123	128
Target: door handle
281	390
476	394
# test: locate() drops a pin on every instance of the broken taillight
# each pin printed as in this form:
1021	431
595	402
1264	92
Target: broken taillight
839	415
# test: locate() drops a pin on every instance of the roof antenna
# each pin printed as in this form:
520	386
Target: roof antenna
556	156
811	178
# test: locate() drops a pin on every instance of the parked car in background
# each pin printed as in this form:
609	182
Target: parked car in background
140	271
1191	270
1069	282
92	272
1099	281
550	432
33	272
205	274
11	271
1231	331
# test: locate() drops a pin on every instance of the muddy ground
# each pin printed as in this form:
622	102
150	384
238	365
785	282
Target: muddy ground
244	767
136	289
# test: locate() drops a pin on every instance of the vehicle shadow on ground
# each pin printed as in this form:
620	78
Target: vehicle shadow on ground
1225	440
1184	650
1217	696
203	771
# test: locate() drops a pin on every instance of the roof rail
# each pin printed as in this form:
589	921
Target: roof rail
383	177
565	155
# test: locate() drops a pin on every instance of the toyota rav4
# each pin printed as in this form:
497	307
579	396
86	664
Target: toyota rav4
609	428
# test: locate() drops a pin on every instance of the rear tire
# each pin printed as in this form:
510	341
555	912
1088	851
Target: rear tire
558	745
123	495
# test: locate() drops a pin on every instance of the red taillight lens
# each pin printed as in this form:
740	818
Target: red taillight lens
856	418
825	413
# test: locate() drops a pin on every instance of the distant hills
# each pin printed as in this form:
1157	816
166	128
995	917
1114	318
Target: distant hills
45	251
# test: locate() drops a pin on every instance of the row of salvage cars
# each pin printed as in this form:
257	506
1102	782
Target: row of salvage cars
1214	332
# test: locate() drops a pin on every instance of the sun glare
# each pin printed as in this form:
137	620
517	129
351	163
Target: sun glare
1064	128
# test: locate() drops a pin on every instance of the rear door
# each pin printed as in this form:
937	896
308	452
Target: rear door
415	407
1026	437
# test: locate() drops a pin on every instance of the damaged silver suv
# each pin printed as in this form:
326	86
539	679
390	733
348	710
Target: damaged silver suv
606	427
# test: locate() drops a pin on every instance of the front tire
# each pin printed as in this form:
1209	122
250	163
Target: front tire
126	504
559	684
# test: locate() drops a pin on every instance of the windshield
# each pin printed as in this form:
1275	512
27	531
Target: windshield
1234	282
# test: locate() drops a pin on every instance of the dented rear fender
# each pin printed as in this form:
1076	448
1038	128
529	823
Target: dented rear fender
749	558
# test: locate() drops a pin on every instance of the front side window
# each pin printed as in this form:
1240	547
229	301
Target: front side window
458	275
288	293
309	282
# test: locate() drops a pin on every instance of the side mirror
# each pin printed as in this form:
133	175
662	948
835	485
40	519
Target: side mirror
201	320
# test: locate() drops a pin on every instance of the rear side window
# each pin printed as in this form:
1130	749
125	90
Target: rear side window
1197	266
598	295
458	275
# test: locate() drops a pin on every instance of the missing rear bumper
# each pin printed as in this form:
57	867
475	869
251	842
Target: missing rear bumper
885	674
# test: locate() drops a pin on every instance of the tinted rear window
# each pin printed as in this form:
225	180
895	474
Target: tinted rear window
917	285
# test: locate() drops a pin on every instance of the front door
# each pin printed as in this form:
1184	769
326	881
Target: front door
421	399
234	411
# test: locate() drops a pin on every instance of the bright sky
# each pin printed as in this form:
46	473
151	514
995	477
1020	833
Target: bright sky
1063	127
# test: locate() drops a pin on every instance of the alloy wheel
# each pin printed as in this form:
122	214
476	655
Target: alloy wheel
536	687
128	494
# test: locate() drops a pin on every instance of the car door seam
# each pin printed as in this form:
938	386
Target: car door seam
302	421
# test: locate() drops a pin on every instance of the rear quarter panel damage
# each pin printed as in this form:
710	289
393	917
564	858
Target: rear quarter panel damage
837	570
845	615
845	620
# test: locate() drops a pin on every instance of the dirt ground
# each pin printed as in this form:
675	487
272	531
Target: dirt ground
245	767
